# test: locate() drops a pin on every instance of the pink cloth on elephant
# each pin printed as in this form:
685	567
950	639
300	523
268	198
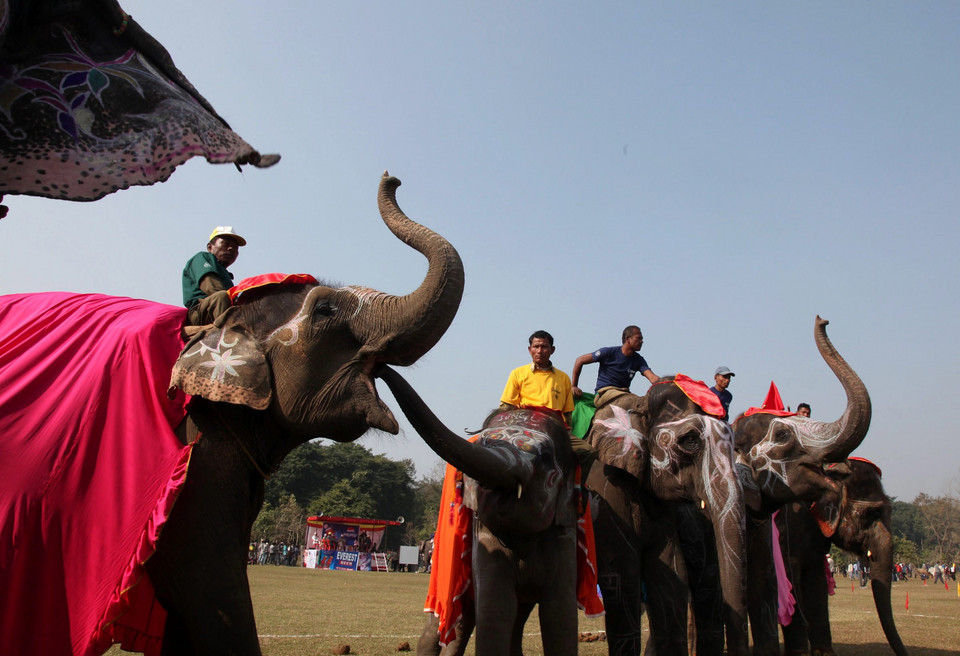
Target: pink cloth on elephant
89	469
785	601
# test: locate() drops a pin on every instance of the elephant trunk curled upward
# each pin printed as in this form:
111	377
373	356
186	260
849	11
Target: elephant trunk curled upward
285	366
780	461
519	481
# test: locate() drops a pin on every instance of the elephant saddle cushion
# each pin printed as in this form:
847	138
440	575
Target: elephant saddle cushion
89	469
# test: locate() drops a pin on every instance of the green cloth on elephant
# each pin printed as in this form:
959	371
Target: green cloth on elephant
583	411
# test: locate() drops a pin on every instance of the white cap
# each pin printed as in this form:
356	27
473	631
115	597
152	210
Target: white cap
220	231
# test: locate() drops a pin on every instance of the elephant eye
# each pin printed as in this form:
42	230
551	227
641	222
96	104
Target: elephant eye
689	442
324	310
782	436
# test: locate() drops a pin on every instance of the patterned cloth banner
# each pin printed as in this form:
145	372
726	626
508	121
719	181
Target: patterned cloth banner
90	104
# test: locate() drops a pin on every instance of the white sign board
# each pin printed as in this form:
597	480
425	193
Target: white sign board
409	555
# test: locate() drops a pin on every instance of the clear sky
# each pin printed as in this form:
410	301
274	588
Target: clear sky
718	173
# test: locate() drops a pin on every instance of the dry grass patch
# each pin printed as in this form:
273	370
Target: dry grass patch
304	612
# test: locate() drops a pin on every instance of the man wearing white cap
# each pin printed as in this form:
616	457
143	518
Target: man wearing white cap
722	378
206	279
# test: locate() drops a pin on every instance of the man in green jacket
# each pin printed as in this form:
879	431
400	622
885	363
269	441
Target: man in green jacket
206	279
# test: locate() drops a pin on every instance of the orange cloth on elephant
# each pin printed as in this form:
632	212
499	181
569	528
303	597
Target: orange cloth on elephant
451	568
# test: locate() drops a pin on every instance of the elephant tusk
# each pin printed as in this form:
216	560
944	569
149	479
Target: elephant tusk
519	489
869	554
703	504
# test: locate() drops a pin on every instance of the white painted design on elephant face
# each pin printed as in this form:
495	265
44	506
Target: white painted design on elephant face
525	448
619	428
222	364
787	440
716	467
723	490
293	325
363	295
221	360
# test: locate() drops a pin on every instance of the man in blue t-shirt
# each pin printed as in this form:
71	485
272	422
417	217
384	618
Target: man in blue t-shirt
618	364
721	379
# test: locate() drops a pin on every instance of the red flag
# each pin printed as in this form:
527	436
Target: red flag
908	601
773	400
946	586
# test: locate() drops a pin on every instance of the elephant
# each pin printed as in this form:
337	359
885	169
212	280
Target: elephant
284	365
863	528
94	104
518	478
780	460
661	451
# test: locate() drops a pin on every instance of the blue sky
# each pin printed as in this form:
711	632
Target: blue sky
717	173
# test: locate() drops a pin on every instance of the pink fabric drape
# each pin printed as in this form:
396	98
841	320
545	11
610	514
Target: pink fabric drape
89	469
785	601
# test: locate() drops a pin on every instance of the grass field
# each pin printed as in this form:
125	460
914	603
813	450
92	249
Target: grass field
304	612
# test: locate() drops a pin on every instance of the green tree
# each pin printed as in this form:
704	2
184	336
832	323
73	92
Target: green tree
906	521
290	525
428	492
265	524
345	499
905	551
941	520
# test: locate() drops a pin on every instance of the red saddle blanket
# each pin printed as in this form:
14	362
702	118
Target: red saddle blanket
89	469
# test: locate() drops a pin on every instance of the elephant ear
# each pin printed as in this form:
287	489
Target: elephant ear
828	511
617	434
225	364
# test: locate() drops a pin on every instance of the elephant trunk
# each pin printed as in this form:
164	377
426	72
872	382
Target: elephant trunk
481	464
881	571
832	442
722	496
411	325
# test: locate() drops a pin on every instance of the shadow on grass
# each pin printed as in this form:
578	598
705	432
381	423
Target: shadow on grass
883	649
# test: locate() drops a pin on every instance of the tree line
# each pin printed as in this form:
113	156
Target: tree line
927	529
348	480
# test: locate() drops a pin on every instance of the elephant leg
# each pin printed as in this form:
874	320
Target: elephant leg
664	577
176	640
495	596
558	605
762	588
695	532
199	569
815	604
516	640
615	518
429	642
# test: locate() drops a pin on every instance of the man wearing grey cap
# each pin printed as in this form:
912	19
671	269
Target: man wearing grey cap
722	378
206	279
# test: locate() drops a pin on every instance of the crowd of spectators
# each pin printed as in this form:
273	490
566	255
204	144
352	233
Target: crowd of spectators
935	573
270	553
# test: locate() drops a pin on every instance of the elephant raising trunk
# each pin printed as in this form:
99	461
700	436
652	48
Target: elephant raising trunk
851	428
786	453
410	325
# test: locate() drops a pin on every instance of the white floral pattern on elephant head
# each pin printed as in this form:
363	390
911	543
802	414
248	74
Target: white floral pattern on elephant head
774	457
225	364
